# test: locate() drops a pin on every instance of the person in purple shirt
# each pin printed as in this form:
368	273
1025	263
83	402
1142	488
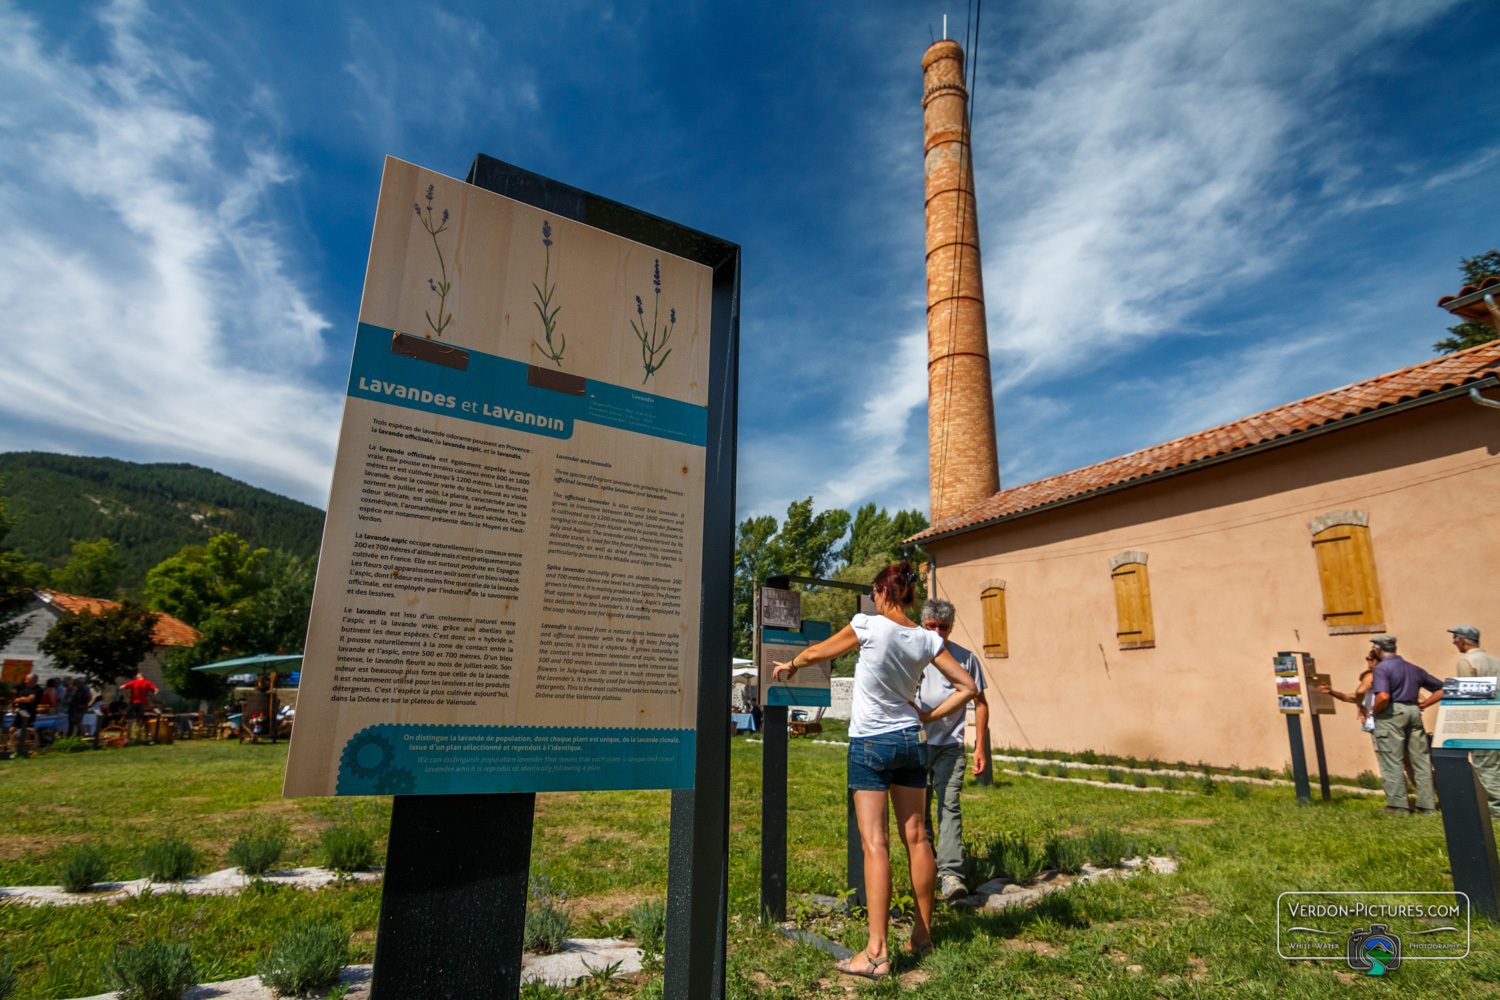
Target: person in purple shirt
1399	733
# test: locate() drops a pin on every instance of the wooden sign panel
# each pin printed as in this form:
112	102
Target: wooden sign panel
810	686
509	586
15	671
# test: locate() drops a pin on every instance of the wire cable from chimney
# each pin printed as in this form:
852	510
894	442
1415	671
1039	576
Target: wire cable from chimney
976	8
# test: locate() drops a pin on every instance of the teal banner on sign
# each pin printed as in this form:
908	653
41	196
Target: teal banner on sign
403	759
785	694
494	390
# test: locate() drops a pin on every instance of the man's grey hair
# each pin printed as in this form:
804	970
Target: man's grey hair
937	610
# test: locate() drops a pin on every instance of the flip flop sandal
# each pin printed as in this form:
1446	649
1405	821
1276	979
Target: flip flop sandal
920	952
871	973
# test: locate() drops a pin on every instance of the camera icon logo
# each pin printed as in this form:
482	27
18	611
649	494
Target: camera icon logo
1375	951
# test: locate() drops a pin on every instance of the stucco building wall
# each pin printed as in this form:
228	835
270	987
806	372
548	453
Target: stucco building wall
1234	579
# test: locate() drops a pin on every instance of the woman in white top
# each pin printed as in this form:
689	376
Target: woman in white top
887	758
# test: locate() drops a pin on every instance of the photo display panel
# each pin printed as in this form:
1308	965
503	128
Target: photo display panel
509	585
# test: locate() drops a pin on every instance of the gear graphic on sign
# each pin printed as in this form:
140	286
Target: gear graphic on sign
357	748
396	781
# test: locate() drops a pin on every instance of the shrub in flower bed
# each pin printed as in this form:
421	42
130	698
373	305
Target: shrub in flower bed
82	869
256	855
168	861
346	848
153	970
306	960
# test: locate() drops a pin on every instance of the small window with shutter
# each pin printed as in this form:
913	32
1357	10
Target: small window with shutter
1135	629
992	605
1346	570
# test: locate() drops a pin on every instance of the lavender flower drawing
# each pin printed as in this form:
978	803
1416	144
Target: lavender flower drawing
442	286
654	341
544	303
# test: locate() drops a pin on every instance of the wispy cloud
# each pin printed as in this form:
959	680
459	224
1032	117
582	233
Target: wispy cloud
1134	174
155	310
1139	165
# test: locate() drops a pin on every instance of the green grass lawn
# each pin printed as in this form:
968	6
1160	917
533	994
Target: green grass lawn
1208	931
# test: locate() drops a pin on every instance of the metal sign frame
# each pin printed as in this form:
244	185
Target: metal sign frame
773	798
452	919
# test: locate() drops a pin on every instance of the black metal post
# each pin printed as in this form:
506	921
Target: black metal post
698	848
698	872
1467	826
1317	728
773	813
1299	758
453	906
855	859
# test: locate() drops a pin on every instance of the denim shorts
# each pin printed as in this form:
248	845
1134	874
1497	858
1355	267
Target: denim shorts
878	762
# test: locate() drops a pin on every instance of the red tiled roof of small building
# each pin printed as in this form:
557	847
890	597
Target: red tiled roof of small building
1304	415
169	631
1488	282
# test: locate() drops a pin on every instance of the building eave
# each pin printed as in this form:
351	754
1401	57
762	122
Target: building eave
1295	437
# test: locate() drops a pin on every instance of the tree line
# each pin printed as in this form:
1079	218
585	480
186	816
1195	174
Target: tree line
814	543
243	600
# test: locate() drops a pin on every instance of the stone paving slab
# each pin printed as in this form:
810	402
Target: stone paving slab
356	977
219	883
578	956
1000	894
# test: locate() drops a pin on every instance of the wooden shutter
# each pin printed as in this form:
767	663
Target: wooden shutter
996	638
1346	569
1133	607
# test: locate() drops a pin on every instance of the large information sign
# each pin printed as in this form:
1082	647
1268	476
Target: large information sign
509	586
810	686
1468	717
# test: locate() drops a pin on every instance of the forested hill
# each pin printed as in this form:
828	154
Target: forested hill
149	511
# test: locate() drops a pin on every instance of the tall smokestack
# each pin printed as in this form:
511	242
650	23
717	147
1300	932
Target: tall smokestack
961	454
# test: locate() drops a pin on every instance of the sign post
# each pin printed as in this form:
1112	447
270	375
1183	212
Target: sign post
1320	703
1289	701
778	644
525	577
1468	719
812	689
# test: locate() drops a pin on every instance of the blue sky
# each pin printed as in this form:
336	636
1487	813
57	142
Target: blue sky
1189	211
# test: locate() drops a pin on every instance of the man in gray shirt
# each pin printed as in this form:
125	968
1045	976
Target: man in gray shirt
1475	662
945	751
1399	733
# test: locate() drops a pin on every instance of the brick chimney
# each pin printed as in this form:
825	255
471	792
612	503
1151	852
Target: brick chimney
962	462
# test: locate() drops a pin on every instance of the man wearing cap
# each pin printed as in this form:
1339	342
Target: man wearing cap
1475	662
1398	726
945	751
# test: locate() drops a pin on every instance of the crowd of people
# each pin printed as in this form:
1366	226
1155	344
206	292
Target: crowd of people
1389	702
76	709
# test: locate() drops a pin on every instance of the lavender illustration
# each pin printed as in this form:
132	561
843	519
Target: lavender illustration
650	344
441	287
544	303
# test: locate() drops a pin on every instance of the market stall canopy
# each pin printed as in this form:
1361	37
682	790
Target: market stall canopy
263	664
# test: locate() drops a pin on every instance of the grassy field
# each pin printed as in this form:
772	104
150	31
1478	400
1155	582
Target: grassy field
1207	931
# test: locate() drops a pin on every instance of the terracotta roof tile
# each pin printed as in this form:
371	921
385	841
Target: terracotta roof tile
1305	414
169	631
